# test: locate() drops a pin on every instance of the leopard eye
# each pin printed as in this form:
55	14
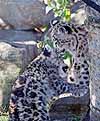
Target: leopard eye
61	30
63	50
65	68
68	29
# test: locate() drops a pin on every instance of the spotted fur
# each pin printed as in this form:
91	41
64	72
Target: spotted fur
73	39
33	90
48	76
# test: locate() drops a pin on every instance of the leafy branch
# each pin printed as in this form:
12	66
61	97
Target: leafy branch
61	8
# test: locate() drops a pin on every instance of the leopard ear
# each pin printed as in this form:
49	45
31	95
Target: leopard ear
54	21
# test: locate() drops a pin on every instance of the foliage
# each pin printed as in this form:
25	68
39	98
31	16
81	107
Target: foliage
3	113
61	8
76	118
46	41
3	118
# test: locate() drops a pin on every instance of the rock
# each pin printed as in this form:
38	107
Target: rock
69	113
20	54
78	11
13	60
69	100
8	73
70	108
24	14
94	115
1	96
10	36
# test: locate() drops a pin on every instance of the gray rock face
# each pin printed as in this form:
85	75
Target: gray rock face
11	36
70	108
12	61
78	11
24	14
94	50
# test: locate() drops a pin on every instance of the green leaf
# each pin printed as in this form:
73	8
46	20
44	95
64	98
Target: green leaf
67	15
49	2
3	118
60	1
67	59
60	8
67	55
64	2
48	42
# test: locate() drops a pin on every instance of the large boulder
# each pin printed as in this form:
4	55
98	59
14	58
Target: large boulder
13	61
12	36
24	14
70	108
78	11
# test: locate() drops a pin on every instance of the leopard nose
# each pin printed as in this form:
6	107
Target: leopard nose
65	68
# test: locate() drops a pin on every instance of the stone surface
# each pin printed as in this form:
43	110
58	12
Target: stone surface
94	49
69	113
78	12
1	96
69	108
69	100
8	72
94	115
12	61
24	14
11	36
